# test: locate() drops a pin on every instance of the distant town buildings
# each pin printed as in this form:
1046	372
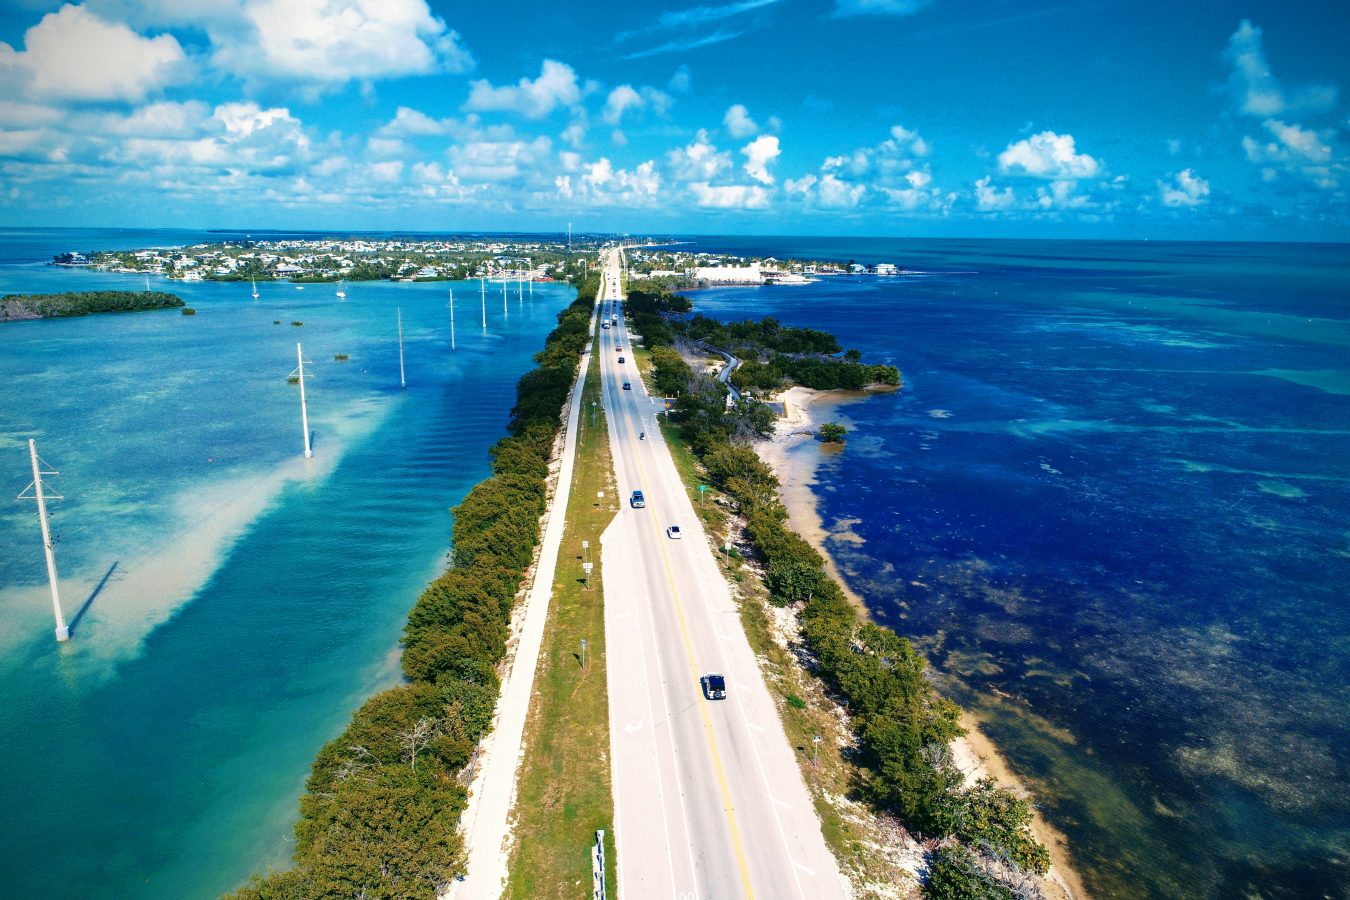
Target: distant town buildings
703	268
331	260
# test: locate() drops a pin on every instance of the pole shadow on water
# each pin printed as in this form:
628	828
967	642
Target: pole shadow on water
74	623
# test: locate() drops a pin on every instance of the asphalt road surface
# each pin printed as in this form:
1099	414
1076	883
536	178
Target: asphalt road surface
709	800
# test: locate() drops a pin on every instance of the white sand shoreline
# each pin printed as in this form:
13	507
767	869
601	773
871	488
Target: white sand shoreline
796	467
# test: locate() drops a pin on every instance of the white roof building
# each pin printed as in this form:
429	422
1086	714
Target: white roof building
730	274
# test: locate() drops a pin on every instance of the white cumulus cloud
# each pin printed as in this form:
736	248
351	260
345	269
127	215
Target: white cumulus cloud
532	98
72	54
738	123
408	122
827	191
622	98
991	199
730	196
625	98
602	184
1061	195
1254	88
698	161
1184	189
498	160
1047	155
335	41
1293	142
244	138
759	153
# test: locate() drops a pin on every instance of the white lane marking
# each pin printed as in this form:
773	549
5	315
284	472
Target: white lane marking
656	754
755	726
811	872
737	697
782	803
621	472
674	752
634	727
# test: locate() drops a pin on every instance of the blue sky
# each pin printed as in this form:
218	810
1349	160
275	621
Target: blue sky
1002	118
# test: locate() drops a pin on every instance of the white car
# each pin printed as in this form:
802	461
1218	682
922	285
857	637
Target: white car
674	533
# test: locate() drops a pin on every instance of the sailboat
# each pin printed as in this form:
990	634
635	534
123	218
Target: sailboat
255	288
342	295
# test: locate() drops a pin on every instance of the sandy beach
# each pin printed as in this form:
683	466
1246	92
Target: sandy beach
796	466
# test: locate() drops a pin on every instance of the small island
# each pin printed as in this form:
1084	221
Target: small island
21	307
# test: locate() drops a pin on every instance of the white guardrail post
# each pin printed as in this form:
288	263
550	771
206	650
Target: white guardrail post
598	866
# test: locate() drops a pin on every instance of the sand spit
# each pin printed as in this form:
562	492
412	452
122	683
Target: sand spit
795	456
142	579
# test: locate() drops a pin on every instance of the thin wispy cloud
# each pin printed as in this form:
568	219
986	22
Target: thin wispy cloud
1014	18
716	37
694	17
849	8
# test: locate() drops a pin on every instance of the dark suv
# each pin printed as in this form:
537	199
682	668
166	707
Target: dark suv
714	686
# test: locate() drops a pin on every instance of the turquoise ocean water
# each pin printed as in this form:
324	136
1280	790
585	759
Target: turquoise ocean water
1112	505
231	603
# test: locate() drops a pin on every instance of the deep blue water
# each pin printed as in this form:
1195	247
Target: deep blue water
252	600
1112	504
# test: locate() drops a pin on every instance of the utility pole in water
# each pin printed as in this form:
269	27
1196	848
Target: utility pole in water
62	631
452	318
402	378
304	411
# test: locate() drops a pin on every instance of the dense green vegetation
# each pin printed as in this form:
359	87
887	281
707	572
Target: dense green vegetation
380	813
14	307
904	727
772	355
835	374
766	334
955	874
647	307
831	432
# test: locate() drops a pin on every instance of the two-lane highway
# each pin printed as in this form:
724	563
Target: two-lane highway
709	801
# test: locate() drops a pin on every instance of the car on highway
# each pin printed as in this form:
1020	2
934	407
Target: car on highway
620	359
673	532
618	349
604	325
627	386
637	501
714	686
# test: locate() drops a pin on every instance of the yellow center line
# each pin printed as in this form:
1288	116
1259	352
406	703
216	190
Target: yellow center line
708	732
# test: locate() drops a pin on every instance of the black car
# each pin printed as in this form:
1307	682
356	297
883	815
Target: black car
627	386
714	686
620	359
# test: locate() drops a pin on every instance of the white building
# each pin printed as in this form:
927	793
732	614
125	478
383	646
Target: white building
729	274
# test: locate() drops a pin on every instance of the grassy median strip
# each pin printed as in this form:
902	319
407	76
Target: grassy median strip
564	792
